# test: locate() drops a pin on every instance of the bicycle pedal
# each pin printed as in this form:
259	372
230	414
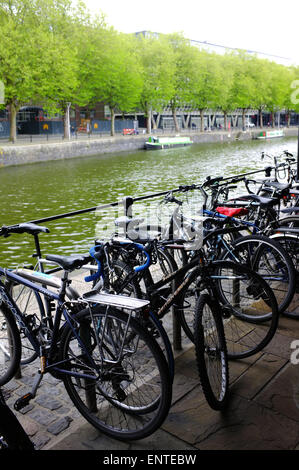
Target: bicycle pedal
23	401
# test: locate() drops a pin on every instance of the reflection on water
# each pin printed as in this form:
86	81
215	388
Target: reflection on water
39	190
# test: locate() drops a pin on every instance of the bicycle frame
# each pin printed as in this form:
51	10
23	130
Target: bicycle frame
60	312
197	262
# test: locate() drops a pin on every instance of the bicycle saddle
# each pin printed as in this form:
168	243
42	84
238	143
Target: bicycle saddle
290	210
264	201
124	221
275	184
69	263
30	228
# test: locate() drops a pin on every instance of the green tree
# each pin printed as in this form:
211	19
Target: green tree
207	87
158	65
37	64
243	86
185	74
225	100
115	72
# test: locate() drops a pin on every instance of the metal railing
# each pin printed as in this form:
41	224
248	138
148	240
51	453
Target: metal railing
127	203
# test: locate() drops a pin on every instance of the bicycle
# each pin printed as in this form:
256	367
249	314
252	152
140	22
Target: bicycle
97	349
259	252
232	285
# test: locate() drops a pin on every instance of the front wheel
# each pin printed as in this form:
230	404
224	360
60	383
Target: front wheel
122	386
211	352
10	345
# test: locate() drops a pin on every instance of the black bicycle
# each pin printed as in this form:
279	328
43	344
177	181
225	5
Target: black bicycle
112	368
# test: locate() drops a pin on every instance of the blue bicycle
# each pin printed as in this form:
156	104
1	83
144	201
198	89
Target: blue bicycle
113	369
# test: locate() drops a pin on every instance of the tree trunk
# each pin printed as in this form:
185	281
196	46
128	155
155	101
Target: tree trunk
154	124
112	121
273	118
149	120
225	120
261	118
66	121
13	122
289	119
201	121
243	119
176	126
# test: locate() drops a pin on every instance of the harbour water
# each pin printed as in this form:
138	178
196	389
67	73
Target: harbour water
40	190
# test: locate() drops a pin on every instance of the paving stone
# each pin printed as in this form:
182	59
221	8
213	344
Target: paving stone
258	375
42	416
244	426
30	427
48	402
84	438
161	440
289	326
280	345
60	425
40	440
282	394
182	385
238	367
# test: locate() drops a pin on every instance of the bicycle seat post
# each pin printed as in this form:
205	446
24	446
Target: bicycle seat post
64	284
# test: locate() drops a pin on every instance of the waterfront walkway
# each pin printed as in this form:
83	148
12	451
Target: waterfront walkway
263	413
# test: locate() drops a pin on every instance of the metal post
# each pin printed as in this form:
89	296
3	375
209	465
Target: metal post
128	203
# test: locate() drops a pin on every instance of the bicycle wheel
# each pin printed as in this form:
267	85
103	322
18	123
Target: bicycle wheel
120	281
269	259
211	352
30	304
10	345
291	221
249	308
290	243
128	392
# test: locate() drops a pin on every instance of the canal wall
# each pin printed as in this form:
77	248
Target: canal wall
18	154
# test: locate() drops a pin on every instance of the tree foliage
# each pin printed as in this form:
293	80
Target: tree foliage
55	53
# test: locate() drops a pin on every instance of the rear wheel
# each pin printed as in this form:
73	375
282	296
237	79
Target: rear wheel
211	352
30	304
248	305
249	308
269	259
128	392
290	243
10	345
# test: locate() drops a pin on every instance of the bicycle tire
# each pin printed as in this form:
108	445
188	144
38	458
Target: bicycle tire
31	305
10	345
116	407
292	221
211	352
244	297
244	332
269	259
290	243
137	288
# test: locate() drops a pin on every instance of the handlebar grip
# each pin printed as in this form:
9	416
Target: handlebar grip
96	275
148	258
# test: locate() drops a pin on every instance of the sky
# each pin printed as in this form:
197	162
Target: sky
267	26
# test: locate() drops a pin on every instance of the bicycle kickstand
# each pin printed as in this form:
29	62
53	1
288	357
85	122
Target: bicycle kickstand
25	399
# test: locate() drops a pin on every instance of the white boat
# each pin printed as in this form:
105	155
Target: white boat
270	134
157	143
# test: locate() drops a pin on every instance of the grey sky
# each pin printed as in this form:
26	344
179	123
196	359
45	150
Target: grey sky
268	26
